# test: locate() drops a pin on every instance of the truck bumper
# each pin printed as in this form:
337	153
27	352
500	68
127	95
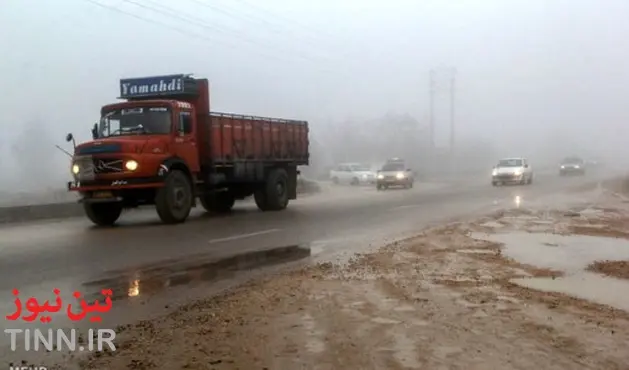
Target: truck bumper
129	190
122	184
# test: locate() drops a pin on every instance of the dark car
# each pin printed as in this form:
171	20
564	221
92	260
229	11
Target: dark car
572	166
394	173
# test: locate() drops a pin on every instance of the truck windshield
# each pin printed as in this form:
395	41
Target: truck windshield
135	121
510	163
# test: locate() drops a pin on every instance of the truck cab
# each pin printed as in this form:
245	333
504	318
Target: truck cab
132	140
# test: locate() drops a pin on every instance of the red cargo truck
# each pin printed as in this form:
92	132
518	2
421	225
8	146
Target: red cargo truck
162	146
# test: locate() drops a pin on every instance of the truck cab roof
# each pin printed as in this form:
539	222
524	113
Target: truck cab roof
148	102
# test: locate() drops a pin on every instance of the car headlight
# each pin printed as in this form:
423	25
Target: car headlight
576	166
75	169
563	167
399	175
380	177
131	165
494	172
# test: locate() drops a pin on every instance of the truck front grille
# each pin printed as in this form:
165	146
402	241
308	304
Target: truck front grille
90	166
107	165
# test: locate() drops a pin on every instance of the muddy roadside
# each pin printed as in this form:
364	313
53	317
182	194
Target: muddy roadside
519	289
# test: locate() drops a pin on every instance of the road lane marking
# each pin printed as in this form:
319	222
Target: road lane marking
406	206
242	236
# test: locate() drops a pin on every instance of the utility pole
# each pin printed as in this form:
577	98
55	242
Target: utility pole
431	90
452	105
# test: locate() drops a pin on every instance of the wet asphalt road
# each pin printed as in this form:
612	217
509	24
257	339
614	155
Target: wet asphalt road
68	254
75	252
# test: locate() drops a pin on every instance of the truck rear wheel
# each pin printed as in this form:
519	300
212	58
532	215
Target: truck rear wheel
274	195
222	202
174	201
103	214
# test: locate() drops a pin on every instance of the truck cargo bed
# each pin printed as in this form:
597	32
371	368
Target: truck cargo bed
235	138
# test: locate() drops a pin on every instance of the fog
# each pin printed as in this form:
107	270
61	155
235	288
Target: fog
536	78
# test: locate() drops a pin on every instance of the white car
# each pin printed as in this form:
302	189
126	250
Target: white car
512	171
353	174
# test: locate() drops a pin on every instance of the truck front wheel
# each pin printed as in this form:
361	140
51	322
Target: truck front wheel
174	200
222	202
273	196
103	214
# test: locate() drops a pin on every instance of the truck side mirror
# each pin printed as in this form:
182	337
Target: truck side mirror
95	131
408	170
70	138
526	166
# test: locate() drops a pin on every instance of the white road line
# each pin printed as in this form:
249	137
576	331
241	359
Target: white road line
406	206
242	236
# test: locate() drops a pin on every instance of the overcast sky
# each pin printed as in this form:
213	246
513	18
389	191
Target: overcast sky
525	69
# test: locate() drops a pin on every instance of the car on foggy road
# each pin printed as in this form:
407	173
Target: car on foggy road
512	171
353	174
572	166
394	174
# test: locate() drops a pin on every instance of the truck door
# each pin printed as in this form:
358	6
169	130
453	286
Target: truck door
186	146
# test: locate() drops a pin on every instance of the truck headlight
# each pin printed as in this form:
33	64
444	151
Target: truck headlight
399	176
562	167
380	177
131	165
494	172
518	172
75	169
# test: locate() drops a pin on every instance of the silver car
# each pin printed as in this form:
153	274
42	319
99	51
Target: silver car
512	171
394	174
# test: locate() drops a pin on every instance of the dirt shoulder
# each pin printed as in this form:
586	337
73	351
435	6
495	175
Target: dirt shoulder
442	300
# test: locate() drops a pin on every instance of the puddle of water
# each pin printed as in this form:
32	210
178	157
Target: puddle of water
476	251
404	308
418	322
584	285
384	320
570	254
592	212
508	299
492	224
520	217
314	343
150	280
405	351
543	222
593	226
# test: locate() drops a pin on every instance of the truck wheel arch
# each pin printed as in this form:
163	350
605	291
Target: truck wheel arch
178	164
174	163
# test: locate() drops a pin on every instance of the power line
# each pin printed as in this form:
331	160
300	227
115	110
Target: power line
313	31
286	19
180	30
173	13
199	22
272	26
